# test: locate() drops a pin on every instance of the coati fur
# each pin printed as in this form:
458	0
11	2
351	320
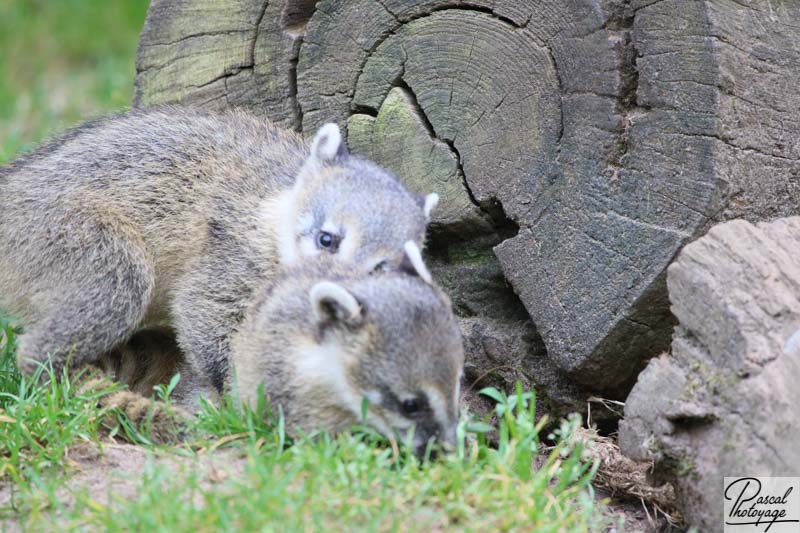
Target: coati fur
173	217
321	339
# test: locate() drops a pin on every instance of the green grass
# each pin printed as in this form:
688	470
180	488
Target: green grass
355	481
63	61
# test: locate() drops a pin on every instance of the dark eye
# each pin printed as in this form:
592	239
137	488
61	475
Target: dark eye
328	241
410	407
382	266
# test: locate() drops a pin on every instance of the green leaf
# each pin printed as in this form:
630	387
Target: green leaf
494	394
479	427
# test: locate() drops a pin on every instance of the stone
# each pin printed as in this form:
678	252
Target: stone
725	402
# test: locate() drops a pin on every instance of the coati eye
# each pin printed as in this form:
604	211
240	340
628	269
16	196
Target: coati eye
382	266
328	241
410	406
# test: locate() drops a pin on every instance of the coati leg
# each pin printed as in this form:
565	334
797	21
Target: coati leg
208	307
165	423
162	423
152	357
93	281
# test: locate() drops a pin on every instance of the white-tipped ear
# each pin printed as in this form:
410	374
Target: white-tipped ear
431	201
331	301
414	260
327	143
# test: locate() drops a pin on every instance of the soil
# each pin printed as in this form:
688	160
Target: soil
116	469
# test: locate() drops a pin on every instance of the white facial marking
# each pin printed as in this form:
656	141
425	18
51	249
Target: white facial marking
438	405
282	211
324	364
415	256
330	227
374	397
304	223
307	247
431	201
348	246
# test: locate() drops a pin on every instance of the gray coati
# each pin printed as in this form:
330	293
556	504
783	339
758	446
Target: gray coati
175	217
322	337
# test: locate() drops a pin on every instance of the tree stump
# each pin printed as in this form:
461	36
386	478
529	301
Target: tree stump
577	144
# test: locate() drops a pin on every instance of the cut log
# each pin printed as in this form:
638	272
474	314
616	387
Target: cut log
585	140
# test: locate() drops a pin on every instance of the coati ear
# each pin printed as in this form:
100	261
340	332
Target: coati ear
430	203
413	264
327	143
332	302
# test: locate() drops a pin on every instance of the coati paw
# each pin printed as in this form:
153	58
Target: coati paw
168	423
159	422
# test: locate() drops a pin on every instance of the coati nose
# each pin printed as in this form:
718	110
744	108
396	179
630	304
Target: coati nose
443	442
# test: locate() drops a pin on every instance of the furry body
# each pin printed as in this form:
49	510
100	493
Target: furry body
174	217
388	337
322	339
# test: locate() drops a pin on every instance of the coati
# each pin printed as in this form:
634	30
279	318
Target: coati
174	217
321	338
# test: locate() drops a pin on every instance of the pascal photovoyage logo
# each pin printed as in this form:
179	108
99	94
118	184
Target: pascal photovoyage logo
761	504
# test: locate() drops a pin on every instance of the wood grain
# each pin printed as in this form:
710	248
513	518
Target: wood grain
586	141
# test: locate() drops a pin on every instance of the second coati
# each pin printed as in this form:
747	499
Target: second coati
174	217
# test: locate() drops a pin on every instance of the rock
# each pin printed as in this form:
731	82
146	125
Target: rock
725	402
592	138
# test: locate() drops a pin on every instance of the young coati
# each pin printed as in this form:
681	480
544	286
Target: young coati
174	217
320	339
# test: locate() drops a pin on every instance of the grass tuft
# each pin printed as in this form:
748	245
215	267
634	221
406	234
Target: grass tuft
41	417
238	470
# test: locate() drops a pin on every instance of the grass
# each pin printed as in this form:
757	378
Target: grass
63	61
355	481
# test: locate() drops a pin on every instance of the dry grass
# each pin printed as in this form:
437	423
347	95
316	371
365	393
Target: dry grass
627	479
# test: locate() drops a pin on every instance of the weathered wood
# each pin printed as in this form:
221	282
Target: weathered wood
191	49
589	140
726	400
397	131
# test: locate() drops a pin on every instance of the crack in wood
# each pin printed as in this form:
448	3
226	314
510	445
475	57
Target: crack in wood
492	208
257	33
